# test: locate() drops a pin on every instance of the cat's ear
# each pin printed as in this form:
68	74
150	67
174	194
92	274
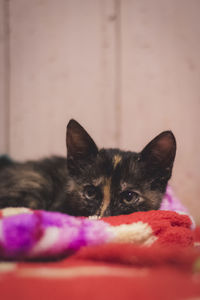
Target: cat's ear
160	152
79	144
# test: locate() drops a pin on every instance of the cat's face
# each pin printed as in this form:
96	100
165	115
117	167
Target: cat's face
111	182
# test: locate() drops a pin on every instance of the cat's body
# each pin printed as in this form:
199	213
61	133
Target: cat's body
90	181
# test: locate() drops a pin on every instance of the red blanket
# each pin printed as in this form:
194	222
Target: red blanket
163	265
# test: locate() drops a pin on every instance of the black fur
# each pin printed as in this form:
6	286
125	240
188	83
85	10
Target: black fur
91	181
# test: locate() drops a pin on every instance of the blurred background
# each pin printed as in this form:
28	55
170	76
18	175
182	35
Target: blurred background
125	69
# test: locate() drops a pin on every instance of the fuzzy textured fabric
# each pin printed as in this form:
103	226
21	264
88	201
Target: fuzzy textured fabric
29	234
146	255
171	202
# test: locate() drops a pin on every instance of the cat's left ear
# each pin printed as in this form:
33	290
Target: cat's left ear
160	152
79	144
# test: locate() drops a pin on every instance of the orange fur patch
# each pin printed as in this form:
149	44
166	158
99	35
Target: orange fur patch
116	159
106	196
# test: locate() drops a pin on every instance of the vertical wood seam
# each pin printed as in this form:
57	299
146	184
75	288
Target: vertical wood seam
6	24
118	74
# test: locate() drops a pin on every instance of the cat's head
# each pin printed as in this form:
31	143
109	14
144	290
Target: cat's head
106	182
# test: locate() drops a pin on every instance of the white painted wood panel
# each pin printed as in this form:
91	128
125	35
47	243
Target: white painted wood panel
126	69
63	65
160	83
3	78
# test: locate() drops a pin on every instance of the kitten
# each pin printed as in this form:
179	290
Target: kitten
90	181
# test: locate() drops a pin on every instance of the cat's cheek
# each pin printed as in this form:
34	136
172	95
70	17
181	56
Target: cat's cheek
71	185
152	200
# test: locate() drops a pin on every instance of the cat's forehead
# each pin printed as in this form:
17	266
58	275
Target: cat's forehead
114	161
115	156
115	170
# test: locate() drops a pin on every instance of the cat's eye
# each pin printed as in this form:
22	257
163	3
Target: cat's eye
129	197
90	191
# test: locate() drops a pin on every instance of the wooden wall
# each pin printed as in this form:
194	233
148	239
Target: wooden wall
125	69
3	79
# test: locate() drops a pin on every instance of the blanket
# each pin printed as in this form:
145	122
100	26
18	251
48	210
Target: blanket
144	255
30	234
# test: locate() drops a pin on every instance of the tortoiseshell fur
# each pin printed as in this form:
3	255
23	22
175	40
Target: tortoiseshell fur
91	181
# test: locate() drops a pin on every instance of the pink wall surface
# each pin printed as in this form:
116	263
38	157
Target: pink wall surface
126	70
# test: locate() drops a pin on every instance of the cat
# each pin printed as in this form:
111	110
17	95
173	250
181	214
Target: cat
89	181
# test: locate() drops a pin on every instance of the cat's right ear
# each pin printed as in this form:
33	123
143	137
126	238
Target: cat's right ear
159	154
80	146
